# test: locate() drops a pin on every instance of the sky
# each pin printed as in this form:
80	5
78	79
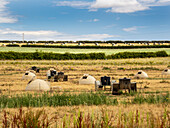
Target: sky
73	20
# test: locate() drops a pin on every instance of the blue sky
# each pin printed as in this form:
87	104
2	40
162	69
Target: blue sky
85	19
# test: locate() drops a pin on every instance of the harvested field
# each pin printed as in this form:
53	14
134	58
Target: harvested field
11	73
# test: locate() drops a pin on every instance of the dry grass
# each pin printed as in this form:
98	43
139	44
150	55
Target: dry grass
11	73
64	113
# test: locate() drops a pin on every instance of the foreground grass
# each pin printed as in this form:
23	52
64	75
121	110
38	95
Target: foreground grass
101	119
55	99
76	51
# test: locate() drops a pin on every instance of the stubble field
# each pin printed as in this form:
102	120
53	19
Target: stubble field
10	84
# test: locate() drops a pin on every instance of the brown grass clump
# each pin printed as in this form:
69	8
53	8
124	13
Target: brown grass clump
88	117
27	119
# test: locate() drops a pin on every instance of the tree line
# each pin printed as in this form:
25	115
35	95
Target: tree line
86	41
38	55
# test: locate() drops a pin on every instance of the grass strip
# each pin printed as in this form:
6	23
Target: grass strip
55	99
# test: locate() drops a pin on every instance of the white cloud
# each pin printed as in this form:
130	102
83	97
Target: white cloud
147	1
131	29
121	6
113	3
78	4
41	32
4	19
5	16
80	20
95	36
109	26
10	34
163	2
116	6
93	20
117	18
